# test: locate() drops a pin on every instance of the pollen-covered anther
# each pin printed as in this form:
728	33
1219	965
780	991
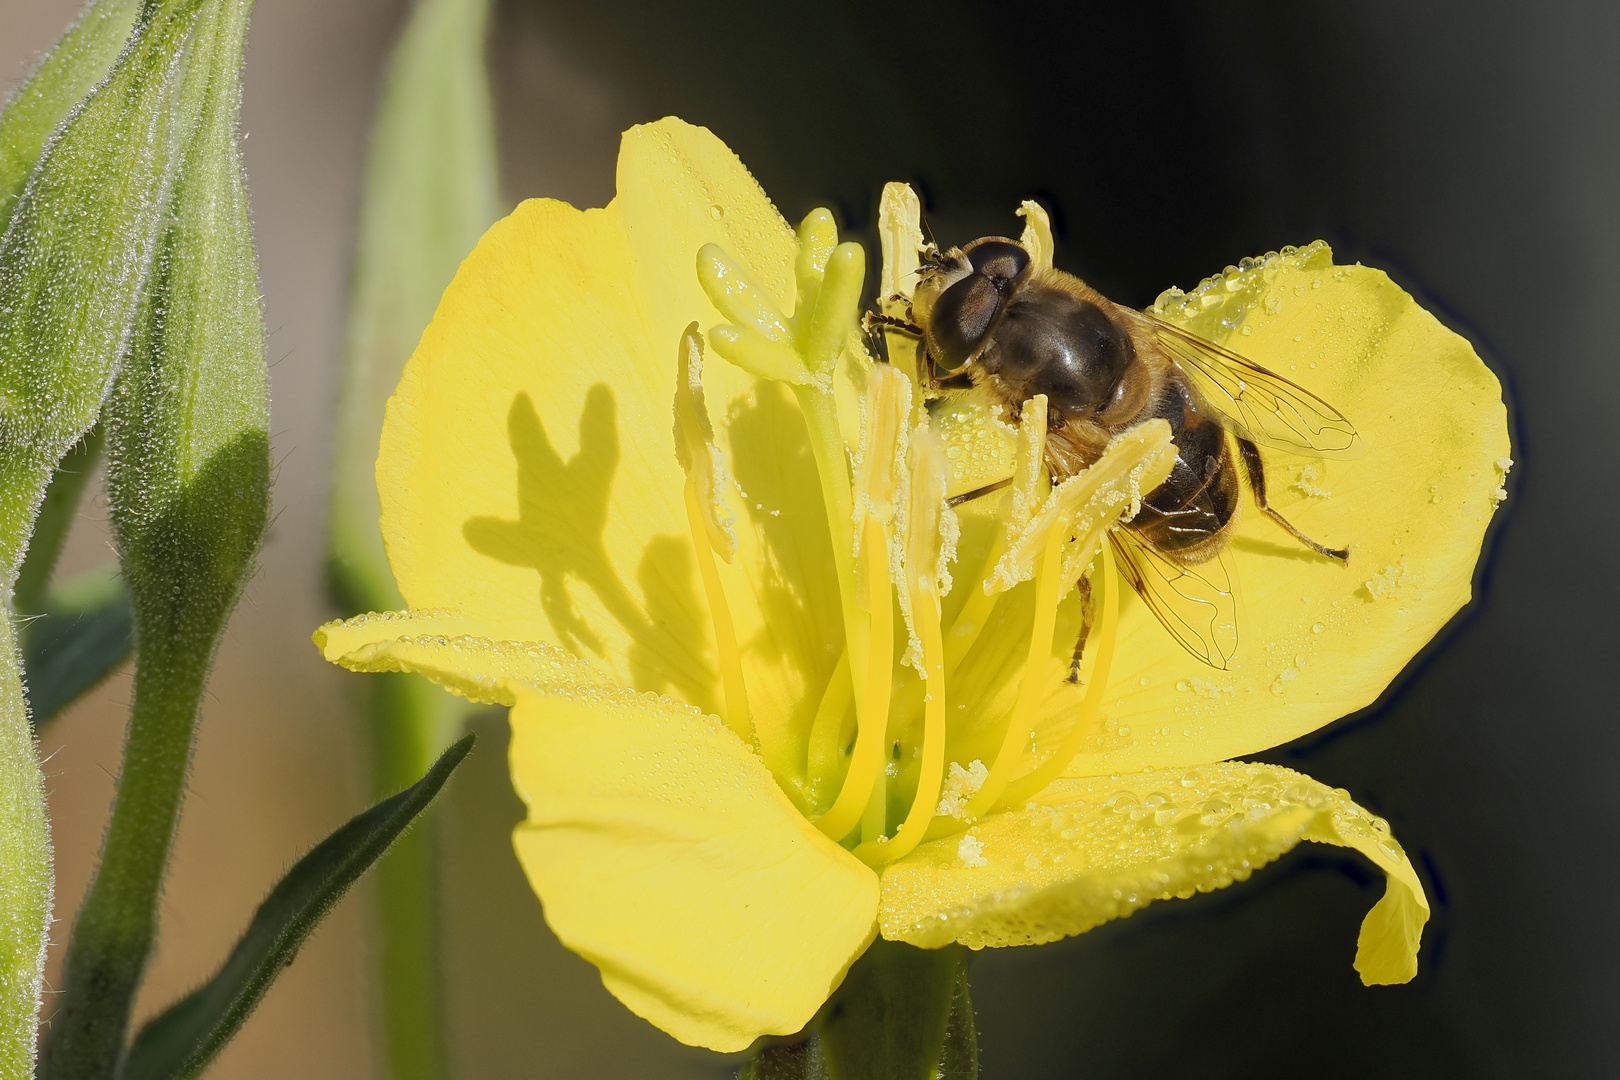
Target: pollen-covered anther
699	457
901	239
1037	238
928	534
711	525
1088	503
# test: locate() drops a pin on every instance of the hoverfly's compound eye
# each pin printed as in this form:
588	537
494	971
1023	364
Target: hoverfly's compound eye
1002	261
962	319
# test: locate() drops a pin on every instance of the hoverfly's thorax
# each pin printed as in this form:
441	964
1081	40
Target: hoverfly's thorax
1053	342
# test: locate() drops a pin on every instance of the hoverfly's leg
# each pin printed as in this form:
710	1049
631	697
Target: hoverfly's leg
1088	618
977	493
905	326
876	326
1257	483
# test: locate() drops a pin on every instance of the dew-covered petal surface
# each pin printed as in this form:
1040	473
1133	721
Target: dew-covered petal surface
1089	850
1317	640
664	853
528	475
445	647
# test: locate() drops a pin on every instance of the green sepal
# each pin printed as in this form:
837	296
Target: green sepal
74	262
85	631
185	1037
902	1013
889	1019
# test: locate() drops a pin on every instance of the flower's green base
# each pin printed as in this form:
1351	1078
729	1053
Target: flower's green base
902	1013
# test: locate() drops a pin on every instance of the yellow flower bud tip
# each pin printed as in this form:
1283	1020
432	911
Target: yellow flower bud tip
765	743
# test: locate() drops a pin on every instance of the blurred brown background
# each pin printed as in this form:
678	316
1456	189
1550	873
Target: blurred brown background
278	762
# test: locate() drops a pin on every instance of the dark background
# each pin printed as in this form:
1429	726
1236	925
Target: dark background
1470	149
1473	151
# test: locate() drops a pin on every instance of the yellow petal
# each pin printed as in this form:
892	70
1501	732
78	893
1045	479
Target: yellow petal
446	647
665	854
1317	640
528	474
1086	851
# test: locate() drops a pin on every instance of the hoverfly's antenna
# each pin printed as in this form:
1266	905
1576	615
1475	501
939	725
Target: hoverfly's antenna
930	253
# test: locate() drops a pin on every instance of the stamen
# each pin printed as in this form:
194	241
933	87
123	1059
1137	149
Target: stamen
1037	238
1028	785
900	236
930	534
738	718
827	738
1083	506
710	527
872	715
880	481
1037	675
1029	471
1136	461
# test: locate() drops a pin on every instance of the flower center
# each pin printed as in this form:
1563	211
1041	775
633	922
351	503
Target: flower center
875	778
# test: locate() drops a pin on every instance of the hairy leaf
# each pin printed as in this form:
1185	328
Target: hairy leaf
85	631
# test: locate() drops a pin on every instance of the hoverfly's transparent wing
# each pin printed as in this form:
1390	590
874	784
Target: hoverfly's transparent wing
1199	605
1257	404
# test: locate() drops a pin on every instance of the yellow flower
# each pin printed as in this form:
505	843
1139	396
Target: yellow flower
753	720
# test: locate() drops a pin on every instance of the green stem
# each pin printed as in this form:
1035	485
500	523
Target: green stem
25	867
407	716
113	935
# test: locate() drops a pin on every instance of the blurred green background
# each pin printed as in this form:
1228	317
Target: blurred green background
1472	149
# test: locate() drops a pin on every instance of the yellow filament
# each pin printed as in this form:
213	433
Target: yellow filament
1048	591
925	606
976	612
1026	786
827	730
738	718
866	766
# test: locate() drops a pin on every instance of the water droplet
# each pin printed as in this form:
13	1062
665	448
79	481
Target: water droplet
717	212
1317	628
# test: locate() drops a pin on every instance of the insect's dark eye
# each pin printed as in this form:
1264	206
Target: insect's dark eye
1002	261
962	318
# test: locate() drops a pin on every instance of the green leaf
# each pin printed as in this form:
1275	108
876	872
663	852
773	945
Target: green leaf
53	522
186	1036
79	60
188	482
86	630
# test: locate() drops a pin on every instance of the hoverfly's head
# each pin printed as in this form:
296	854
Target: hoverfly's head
962	293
